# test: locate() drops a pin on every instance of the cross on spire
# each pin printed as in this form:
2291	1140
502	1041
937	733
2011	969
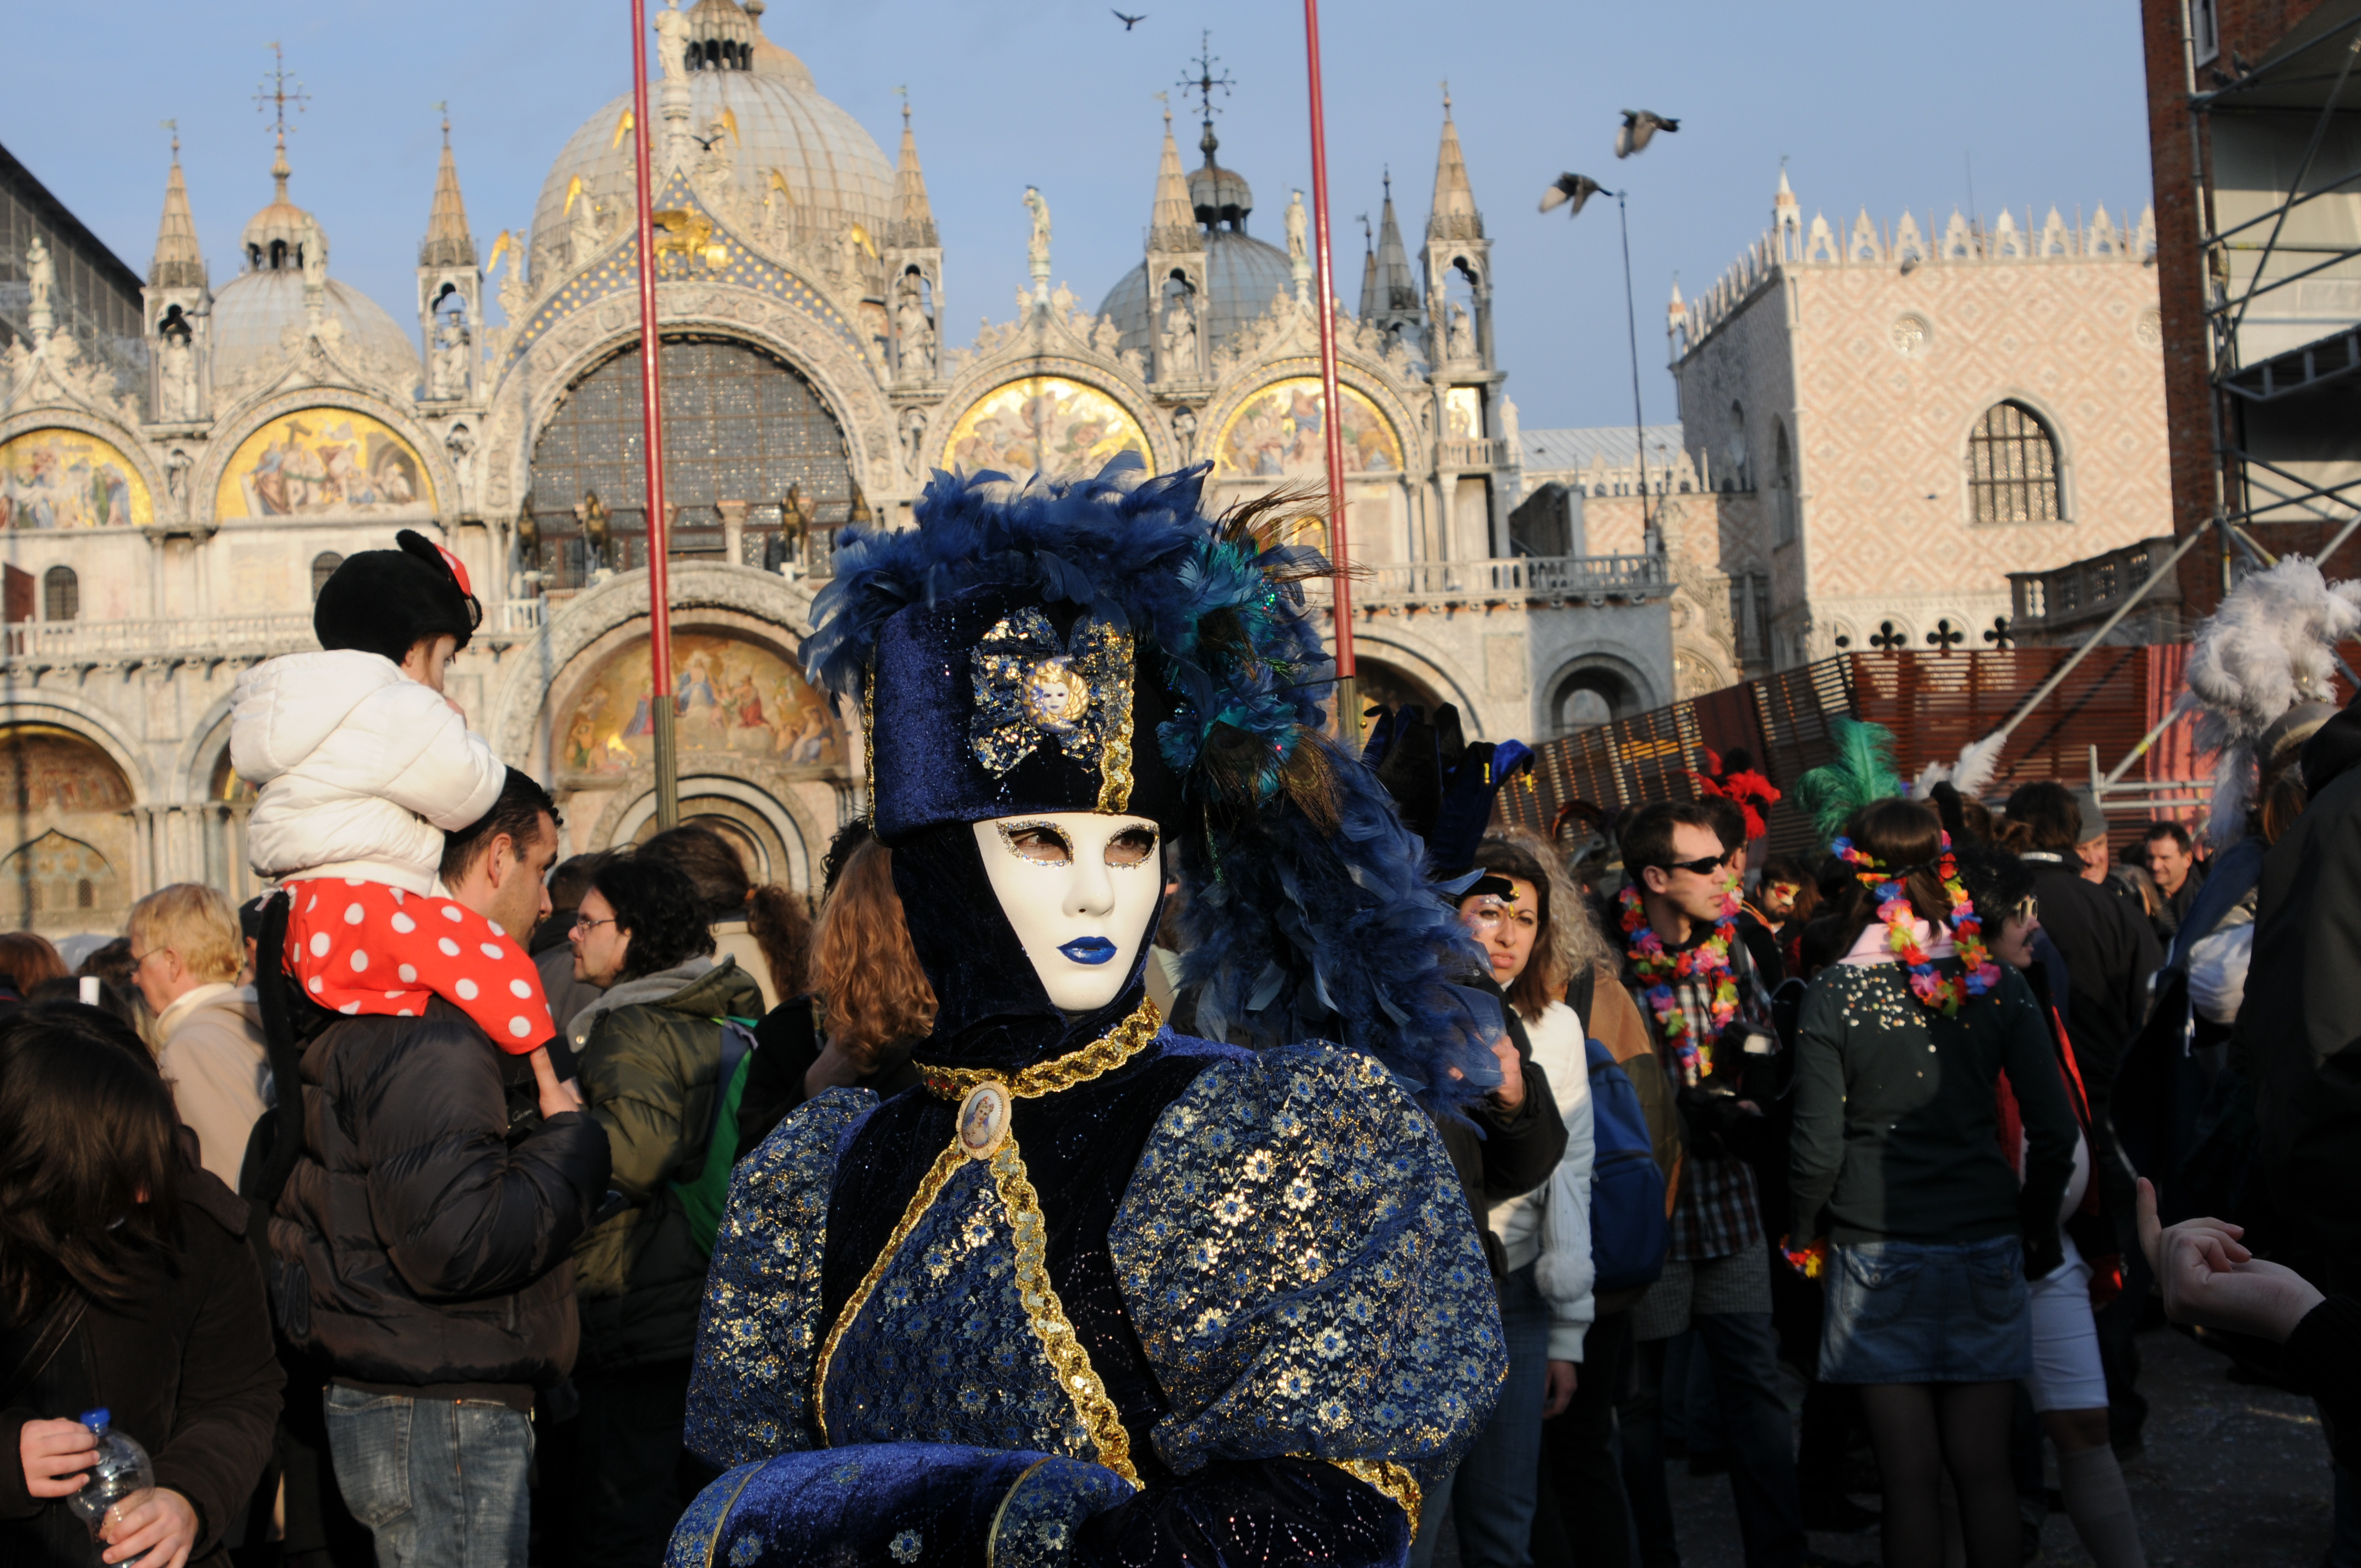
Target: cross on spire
274	93
1204	82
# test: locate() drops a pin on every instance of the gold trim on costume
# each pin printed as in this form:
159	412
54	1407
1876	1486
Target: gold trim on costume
1060	1344
713	1543
992	1537
931	1186
1391	1479
1104	1055
1115	757
869	742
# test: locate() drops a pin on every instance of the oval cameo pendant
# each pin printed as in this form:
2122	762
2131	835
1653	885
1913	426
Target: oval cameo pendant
984	1120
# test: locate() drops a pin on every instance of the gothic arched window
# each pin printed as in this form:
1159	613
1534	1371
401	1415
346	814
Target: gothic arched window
324	567
61	593
2013	466
1783	484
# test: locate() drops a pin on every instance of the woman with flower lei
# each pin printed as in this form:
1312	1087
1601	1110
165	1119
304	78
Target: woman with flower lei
1900	1181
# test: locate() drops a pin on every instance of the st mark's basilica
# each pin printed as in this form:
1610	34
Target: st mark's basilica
181	462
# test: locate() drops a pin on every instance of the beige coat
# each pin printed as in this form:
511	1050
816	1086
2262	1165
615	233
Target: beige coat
213	1057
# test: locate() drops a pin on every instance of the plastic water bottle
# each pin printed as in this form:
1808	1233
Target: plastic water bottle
123	1471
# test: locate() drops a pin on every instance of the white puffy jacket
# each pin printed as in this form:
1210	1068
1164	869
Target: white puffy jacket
362	769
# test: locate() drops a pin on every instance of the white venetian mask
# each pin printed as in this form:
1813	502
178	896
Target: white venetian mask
1079	889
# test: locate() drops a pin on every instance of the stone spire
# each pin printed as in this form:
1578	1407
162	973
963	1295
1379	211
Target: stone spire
1368	270
914	220
178	264
1455	216
449	243
1172	225
1398	284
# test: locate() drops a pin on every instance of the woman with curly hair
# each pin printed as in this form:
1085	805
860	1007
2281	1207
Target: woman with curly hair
868	1006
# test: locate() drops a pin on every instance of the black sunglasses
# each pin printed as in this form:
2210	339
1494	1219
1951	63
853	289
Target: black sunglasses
1704	865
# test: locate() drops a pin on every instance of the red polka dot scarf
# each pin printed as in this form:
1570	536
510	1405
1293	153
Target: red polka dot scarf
363	948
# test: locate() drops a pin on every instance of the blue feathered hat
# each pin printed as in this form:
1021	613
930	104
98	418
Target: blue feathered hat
1101	645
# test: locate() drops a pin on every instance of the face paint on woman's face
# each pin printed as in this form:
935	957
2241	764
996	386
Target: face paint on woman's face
1079	890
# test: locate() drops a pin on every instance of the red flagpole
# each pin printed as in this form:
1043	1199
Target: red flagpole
1332	423
660	704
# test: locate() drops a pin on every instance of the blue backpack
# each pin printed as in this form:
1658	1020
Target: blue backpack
1629	1232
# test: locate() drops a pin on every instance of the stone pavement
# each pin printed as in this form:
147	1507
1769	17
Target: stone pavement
2234	1475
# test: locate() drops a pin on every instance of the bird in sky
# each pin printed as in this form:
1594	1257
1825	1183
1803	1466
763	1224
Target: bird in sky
1575	187
1639	129
1129	22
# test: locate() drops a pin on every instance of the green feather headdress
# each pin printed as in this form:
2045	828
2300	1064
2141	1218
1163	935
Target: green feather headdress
1861	775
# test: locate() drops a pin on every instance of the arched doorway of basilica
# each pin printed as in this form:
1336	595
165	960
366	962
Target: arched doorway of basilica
69	828
745	432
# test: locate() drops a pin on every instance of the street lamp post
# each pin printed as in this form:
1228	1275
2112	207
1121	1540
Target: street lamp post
660	703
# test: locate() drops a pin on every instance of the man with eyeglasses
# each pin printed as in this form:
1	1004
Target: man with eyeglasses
1680	942
424	1240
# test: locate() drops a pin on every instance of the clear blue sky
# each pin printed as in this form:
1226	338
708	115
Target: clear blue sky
1876	104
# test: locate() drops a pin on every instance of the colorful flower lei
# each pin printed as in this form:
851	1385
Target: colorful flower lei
1708	961
1811	1260
1943	992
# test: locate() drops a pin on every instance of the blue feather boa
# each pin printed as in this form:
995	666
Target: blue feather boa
1296	933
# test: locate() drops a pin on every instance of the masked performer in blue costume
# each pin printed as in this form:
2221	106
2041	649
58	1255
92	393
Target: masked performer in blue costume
1097	1292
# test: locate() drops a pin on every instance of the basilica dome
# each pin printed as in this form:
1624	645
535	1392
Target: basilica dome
787	135
253	312
1242	273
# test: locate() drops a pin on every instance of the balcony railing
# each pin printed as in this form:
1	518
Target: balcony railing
2079	589
1482	454
1522	579
109	641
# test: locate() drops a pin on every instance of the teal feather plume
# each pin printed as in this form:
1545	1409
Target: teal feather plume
1861	775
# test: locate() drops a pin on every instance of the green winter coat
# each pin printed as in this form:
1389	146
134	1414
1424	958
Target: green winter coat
649	1054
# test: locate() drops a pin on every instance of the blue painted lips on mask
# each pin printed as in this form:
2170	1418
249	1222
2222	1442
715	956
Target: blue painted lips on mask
1089	950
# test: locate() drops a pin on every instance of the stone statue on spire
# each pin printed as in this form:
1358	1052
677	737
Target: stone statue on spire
1037	250
40	273
671	41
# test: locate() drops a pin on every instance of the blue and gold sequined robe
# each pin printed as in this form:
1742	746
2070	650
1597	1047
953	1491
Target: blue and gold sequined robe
1213	1305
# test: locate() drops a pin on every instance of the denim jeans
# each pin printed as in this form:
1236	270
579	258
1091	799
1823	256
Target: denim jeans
1758	1435
440	1483
1493	1495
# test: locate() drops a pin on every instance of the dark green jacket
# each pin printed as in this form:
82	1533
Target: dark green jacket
649	1054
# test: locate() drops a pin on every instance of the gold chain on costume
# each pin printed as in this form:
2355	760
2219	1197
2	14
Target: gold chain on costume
1104	1055
1060	1344
1392	1479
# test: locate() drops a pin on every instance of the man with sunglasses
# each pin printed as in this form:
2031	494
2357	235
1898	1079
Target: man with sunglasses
1680	906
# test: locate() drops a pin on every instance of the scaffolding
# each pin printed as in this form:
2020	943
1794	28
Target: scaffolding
2276	159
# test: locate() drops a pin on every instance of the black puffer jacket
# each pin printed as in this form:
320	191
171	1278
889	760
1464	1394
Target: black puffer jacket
424	1238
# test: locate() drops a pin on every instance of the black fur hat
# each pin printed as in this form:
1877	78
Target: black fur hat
387	601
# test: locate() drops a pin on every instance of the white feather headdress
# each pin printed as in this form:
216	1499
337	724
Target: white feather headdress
2271	644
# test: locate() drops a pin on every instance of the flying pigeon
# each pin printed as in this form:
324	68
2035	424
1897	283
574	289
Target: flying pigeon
1575	187
1129	22
1640	127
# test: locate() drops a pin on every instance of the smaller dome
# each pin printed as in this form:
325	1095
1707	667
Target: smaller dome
1220	195
1242	276
254	310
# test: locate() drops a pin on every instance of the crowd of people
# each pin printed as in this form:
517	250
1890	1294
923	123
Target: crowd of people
395	1212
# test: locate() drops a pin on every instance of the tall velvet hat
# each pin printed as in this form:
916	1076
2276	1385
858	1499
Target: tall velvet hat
1101	645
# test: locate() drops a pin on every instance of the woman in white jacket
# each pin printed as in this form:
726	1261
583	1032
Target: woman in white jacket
1545	1297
